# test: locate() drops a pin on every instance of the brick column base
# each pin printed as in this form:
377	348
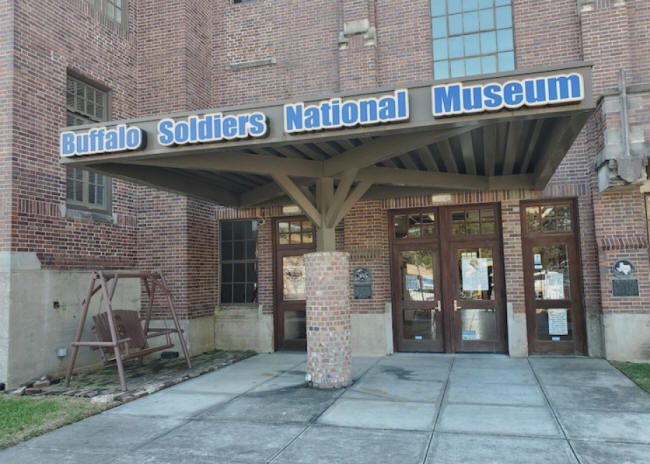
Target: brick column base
329	347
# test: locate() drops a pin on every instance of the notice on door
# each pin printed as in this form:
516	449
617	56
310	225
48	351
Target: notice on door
475	274
557	322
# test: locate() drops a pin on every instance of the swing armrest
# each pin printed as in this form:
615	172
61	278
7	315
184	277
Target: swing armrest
163	331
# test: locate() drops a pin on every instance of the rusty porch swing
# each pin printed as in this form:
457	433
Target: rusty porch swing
120	332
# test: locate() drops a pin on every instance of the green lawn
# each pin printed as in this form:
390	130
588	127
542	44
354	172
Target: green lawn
25	417
639	372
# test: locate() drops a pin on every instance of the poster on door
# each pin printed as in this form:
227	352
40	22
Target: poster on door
554	283
475	274
557	322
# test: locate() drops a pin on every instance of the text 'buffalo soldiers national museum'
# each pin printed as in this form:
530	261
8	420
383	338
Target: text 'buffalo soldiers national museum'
349	177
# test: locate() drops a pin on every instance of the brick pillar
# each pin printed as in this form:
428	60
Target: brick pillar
329	347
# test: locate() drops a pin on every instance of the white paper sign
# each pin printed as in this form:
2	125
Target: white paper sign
557	322
475	274
554	283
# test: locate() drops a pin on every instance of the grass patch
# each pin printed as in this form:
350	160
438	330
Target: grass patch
638	372
26	417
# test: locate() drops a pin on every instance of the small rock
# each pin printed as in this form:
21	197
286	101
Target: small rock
19	391
102	399
41	383
32	391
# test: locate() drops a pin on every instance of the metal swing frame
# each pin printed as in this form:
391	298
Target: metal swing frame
121	331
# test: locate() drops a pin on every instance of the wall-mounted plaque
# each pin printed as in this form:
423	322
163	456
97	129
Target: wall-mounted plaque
623	269
625	287
362	278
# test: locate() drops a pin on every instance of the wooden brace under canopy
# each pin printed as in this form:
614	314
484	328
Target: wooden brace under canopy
120	333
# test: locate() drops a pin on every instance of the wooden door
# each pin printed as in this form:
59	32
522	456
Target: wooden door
554	311
293	237
474	283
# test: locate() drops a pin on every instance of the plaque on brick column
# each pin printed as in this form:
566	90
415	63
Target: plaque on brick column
362	278
624	283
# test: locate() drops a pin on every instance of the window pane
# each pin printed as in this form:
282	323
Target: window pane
478	324
504	39
239	250
457	68
295	325
251	246
239	230
226	272
239	272
440	49
502	2
506	61
416	269
438	7
440	27
551	271
283	227
251	272
455	6
239	293
475	274
470	5
456	24
485	3
473	66
441	70
470	21
472	46
456	47
489	64
488	42
293	278
226	293
504	17
486	19
226	230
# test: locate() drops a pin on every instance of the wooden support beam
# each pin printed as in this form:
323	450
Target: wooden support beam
383	148
298	196
340	196
427	158
182	183
447	154
237	162
467	148
511	182
531	144
490	148
356	194
512	145
564	132
410	178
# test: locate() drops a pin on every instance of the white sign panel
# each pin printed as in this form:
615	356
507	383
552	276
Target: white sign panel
475	274
554	282
557	322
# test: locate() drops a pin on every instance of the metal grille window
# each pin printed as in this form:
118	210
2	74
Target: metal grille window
114	9
471	37
238	262
86	189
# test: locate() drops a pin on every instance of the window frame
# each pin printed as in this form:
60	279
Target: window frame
82	117
245	262
479	56
101	6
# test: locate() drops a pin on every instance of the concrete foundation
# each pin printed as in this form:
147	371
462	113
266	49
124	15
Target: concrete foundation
243	328
517	333
627	336
43	313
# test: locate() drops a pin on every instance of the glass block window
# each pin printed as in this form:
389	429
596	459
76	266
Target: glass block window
114	9
86	189
471	37
238	262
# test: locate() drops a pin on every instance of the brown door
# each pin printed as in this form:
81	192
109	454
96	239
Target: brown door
293	237
475	283
552	277
417	297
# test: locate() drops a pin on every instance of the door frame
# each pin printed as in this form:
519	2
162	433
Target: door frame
445	258
280	251
575	272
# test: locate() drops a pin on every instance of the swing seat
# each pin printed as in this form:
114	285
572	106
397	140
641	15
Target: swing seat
131	336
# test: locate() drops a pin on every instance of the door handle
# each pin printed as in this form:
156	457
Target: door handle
456	308
438	307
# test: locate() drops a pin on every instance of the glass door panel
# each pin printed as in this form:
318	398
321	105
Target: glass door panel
418	299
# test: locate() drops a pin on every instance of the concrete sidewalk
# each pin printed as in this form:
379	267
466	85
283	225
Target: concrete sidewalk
405	408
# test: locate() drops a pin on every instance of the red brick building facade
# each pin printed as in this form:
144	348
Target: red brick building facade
198	54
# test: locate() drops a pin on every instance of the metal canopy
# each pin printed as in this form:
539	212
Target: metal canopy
326	172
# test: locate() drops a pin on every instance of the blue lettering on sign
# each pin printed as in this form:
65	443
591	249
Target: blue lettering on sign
452	99
336	113
102	140
211	128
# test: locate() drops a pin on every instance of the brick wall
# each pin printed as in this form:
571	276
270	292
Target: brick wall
6	131
50	39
